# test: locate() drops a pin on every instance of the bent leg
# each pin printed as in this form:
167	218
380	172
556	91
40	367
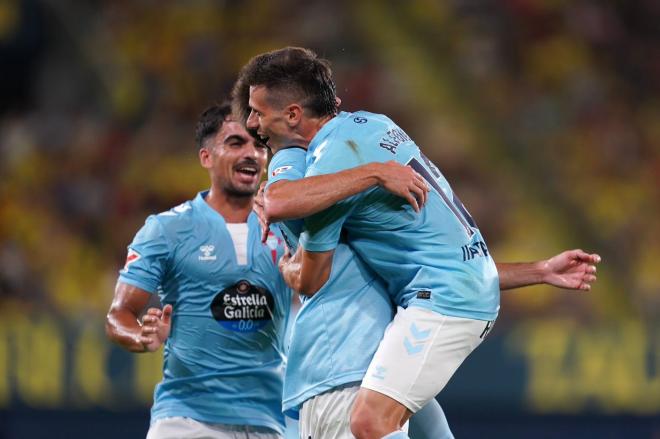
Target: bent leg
419	353
376	415
430	423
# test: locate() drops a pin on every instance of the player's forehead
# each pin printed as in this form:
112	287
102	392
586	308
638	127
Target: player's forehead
258	97
231	128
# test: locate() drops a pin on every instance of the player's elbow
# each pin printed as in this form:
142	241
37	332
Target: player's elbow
306	289
278	203
110	326
274	209
311	285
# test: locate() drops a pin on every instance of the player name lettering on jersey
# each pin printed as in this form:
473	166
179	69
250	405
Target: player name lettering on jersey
471	251
393	139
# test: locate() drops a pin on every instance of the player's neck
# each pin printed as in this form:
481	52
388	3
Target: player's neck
233	208
303	134
313	126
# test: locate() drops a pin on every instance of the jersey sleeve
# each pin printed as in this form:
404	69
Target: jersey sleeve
323	229
147	257
287	164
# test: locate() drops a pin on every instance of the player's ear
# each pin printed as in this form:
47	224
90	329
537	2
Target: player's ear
204	157
293	114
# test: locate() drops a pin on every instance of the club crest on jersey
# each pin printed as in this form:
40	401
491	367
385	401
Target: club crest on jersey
273	242
131	257
281	169
207	253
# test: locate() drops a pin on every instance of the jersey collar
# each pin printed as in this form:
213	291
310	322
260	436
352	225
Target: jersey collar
200	203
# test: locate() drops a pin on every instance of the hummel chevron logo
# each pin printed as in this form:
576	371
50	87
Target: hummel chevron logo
411	348
379	373
418	334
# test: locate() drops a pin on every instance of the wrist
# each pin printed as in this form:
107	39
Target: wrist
541	271
375	174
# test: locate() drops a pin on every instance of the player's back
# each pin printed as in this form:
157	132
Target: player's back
434	259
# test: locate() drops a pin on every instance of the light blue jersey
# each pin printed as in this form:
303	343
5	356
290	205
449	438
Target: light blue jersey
337	331
223	361
435	259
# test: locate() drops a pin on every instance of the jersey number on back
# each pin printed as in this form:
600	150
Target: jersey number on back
432	175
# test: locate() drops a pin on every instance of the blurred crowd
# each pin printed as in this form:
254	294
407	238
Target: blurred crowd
543	114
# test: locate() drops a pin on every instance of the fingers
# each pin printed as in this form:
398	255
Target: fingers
145	340
421	190
589	278
154	312
581	255
419	196
265	231
167	314
150	319
585	287
413	202
148	329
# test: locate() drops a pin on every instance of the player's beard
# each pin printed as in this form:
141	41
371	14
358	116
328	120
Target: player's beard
243	191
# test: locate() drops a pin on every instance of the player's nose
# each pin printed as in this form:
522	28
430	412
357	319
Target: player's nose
252	121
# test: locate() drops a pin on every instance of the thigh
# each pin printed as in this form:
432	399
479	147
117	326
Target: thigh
419	353
327	416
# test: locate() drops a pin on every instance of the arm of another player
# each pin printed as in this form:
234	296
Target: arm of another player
306	272
123	327
292	199
571	269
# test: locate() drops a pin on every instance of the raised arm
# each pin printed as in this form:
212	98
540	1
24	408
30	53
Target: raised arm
123	327
289	199
572	269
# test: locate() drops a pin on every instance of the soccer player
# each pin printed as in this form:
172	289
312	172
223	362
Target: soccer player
337	332
435	262
223	361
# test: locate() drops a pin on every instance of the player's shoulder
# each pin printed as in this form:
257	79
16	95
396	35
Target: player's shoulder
175	218
367	120
364	125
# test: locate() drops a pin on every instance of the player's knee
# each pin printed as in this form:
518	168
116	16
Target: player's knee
365	423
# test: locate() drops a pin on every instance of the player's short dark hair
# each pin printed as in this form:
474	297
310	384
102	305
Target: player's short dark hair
295	72
210	122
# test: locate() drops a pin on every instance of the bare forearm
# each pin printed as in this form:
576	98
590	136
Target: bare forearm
123	328
520	274
289	199
291	274
306	272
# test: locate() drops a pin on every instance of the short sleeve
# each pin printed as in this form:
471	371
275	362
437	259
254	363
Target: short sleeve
323	229
147	257
287	164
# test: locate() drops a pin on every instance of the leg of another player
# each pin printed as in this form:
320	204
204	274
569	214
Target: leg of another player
376	416
430	423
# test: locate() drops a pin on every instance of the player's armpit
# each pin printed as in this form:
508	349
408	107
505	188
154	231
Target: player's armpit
121	323
306	272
